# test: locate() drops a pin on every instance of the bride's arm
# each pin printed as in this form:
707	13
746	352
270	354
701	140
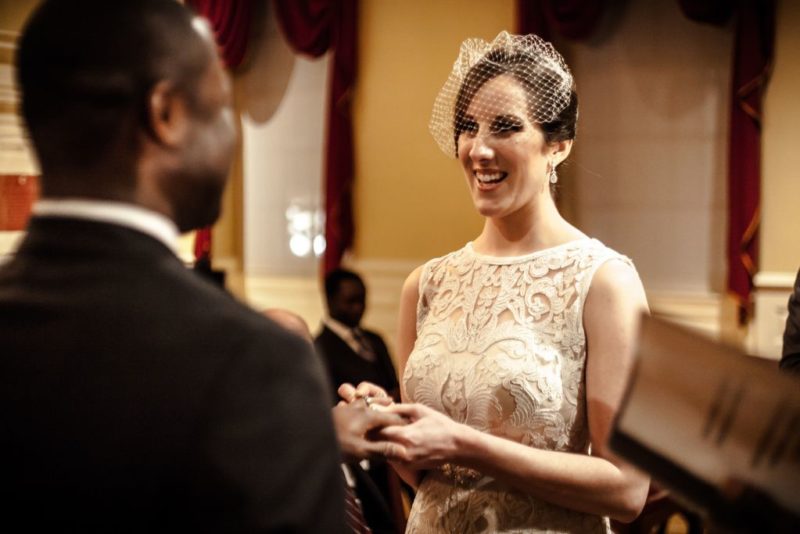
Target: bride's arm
599	484
406	337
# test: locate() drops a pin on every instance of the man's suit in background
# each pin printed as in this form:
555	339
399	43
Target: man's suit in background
135	396
344	364
791	335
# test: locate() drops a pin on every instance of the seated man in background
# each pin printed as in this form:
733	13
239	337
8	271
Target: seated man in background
367	506
134	395
353	355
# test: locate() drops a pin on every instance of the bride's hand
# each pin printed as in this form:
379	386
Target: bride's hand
430	439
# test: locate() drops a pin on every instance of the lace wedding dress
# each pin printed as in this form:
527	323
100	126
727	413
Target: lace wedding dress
501	347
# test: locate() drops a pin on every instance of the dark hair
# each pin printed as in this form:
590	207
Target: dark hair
518	65
85	69
334	279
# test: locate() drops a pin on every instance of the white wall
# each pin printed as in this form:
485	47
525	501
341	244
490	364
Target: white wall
283	98
650	161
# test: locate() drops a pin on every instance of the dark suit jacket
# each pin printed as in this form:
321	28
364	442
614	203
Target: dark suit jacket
344	365
791	335
135	396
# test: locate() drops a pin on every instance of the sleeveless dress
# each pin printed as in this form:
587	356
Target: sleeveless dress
500	347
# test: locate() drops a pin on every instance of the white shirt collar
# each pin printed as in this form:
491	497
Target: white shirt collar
119	213
348	335
339	328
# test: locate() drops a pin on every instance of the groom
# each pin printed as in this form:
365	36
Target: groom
134	396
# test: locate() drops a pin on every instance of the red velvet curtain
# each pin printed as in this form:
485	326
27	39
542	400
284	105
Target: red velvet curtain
313	27
573	19
752	62
230	20
709	11
755	38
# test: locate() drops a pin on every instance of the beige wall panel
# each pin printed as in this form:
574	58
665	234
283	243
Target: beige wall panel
650	158
780	219
410	199
14	13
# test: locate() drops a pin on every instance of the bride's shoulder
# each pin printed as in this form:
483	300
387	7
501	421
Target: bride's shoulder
616	284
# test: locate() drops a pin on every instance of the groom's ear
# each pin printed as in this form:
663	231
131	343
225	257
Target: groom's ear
166	114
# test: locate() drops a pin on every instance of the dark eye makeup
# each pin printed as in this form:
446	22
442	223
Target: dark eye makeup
502	124
506	123
468	125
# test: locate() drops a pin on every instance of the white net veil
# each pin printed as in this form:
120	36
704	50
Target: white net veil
536	66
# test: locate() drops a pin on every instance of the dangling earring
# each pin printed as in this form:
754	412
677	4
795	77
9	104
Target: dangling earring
553	175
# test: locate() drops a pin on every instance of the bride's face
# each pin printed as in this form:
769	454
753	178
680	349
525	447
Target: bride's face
504	155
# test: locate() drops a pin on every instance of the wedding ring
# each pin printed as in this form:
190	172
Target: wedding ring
367	401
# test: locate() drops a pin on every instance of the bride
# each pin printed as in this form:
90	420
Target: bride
514	350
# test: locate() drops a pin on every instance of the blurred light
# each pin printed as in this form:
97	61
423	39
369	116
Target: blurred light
305	225
319	245
300	245
302	221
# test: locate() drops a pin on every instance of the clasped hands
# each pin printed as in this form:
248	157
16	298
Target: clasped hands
370	425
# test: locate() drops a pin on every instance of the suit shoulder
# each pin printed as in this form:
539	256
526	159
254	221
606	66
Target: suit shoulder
375	336
214	312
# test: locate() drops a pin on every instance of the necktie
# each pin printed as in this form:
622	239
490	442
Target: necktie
354	515
364	347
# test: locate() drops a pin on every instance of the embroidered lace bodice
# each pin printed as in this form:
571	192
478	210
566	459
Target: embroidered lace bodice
500	347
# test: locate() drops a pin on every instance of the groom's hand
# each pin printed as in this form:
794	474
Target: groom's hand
366	392
355	423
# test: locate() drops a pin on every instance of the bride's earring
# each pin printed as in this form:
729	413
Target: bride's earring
553	175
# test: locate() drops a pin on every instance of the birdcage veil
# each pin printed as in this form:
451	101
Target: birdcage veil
529	59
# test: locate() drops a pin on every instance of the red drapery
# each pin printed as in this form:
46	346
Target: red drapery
313	27
752	59
573	19
230	20
755	36
709	11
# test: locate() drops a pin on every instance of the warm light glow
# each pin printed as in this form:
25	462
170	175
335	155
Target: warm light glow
300	245
305	227
319	245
